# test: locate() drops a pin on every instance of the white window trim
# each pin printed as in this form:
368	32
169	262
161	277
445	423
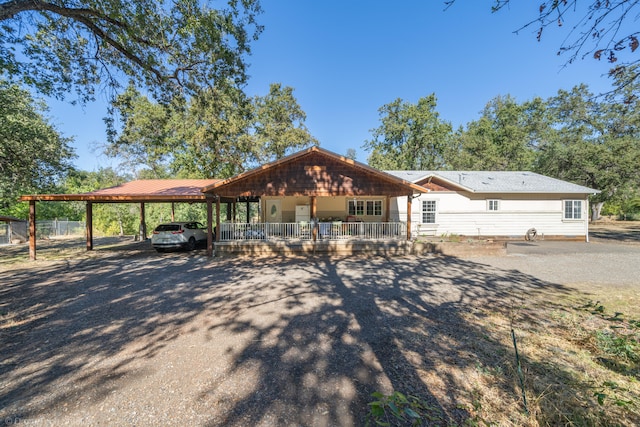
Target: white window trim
435	212
490	201
564	210
355	207
373	202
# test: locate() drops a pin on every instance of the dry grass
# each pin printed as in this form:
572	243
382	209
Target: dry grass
571	376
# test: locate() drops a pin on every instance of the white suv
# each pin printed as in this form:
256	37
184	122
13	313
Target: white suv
178	235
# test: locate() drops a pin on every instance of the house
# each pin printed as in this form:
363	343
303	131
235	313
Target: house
495	204
316	195
315	184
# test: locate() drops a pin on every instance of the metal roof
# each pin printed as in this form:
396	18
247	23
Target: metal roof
498	182
143	190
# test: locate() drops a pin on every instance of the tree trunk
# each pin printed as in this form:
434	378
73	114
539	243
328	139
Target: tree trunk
596	208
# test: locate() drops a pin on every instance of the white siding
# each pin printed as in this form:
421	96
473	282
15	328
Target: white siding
460	214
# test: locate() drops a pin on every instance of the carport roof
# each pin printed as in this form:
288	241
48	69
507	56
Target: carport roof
143	190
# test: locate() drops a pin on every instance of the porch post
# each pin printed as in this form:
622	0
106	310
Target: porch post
32	230
89	226
218	232
248	206
173	211
209	227
387	208
409	201
314	207
314	217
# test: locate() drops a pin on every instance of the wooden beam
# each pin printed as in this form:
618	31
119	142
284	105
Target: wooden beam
89	226
209	227
314	207
124	198
143	224
173	211
387	208
218	232
409	201
32	230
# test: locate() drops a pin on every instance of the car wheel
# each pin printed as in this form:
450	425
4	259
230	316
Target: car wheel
160	250
192	243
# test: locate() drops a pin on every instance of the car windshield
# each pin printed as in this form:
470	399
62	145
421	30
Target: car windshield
168	227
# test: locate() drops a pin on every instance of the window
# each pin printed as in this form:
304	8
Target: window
428	211
573	209
356	207
493	205
374	207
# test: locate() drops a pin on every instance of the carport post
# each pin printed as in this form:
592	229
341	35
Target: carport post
143	224
32	230
89	226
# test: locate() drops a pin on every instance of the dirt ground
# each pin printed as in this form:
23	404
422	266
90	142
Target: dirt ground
125	336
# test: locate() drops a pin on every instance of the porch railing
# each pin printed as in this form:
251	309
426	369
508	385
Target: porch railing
305	231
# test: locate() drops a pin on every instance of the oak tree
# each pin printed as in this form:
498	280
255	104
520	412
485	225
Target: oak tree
166	46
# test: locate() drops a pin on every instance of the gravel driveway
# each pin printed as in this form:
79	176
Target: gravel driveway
135	338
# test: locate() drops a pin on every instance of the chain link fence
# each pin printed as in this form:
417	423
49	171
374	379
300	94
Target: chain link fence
4	233
58	228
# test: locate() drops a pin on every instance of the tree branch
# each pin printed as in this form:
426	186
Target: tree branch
86	17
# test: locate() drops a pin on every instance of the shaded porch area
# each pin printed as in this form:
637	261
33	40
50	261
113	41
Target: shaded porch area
312	196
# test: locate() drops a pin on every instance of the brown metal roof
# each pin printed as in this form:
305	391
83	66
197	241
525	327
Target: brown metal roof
144	190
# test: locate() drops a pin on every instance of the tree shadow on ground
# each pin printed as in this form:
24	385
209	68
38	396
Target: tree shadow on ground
377	325
307	340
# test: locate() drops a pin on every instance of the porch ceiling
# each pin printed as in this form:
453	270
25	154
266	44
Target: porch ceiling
314	172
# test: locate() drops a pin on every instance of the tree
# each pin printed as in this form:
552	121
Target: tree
594	143
279	124
351	154
217	133
410	136
502	139
163	45
212	135
34	157
145	138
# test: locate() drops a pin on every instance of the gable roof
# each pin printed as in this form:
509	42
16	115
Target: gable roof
497	181
313	172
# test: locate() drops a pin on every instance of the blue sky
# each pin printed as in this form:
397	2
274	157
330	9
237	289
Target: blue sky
345	59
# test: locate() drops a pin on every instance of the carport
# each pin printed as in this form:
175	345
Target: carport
140	191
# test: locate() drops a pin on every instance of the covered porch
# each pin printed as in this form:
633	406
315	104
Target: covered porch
312	196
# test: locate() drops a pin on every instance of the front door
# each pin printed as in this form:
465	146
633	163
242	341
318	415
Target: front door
274	214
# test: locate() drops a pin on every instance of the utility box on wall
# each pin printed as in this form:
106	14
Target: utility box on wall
303	213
